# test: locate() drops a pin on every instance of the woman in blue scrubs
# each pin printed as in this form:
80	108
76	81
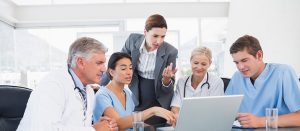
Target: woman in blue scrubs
114	100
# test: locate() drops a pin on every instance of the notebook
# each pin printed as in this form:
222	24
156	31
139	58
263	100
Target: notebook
213	113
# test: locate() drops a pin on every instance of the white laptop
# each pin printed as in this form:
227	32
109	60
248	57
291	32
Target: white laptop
214	113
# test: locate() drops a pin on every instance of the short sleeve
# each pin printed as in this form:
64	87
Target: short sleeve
291	89
217	86
229	89
102	101
177	98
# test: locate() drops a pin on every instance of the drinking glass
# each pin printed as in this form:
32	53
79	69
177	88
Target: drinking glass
138	123
271	119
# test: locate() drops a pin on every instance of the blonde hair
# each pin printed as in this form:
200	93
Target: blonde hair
202	50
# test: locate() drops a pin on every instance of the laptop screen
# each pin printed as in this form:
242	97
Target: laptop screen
213	113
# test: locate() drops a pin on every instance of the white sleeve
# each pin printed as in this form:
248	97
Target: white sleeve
217	86
178	94
45	108
72	128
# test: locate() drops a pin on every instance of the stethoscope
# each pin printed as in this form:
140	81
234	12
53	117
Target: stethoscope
205	83
76	88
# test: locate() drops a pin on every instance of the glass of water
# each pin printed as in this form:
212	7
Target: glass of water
271	119
138	123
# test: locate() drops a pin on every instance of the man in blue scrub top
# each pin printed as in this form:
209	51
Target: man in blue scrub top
264	85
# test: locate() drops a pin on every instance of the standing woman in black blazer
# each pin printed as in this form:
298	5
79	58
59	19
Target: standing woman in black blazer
154	62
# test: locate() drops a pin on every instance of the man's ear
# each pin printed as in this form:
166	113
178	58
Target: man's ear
80	62
259	55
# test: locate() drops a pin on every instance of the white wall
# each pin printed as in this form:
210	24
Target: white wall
276	23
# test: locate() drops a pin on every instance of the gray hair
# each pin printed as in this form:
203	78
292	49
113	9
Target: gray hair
84	47
202	51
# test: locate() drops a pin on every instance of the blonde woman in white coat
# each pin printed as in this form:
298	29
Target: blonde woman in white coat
200	83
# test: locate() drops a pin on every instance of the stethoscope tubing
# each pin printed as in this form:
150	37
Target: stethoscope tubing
206	82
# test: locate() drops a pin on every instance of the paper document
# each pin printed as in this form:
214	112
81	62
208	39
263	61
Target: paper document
236	123
168	128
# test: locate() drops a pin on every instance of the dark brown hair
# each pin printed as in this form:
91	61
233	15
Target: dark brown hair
114	58
250	43
155	20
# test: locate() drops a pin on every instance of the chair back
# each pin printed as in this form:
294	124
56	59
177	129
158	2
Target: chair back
226	82
13	100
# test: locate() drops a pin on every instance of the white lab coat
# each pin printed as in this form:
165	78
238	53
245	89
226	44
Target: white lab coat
216	88
55	106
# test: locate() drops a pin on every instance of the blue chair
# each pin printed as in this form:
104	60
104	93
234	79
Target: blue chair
13	100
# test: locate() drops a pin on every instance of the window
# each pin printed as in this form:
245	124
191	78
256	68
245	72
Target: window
214	31
35	52
8	73
27	54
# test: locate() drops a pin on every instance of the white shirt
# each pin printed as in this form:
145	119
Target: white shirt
55	105
146	63
216	88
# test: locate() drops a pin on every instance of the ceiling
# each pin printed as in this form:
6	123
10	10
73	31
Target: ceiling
58	2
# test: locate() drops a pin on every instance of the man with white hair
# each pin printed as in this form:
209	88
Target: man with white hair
63	101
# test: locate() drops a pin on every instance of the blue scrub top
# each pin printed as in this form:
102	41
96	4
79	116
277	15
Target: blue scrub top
276	87
105	98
